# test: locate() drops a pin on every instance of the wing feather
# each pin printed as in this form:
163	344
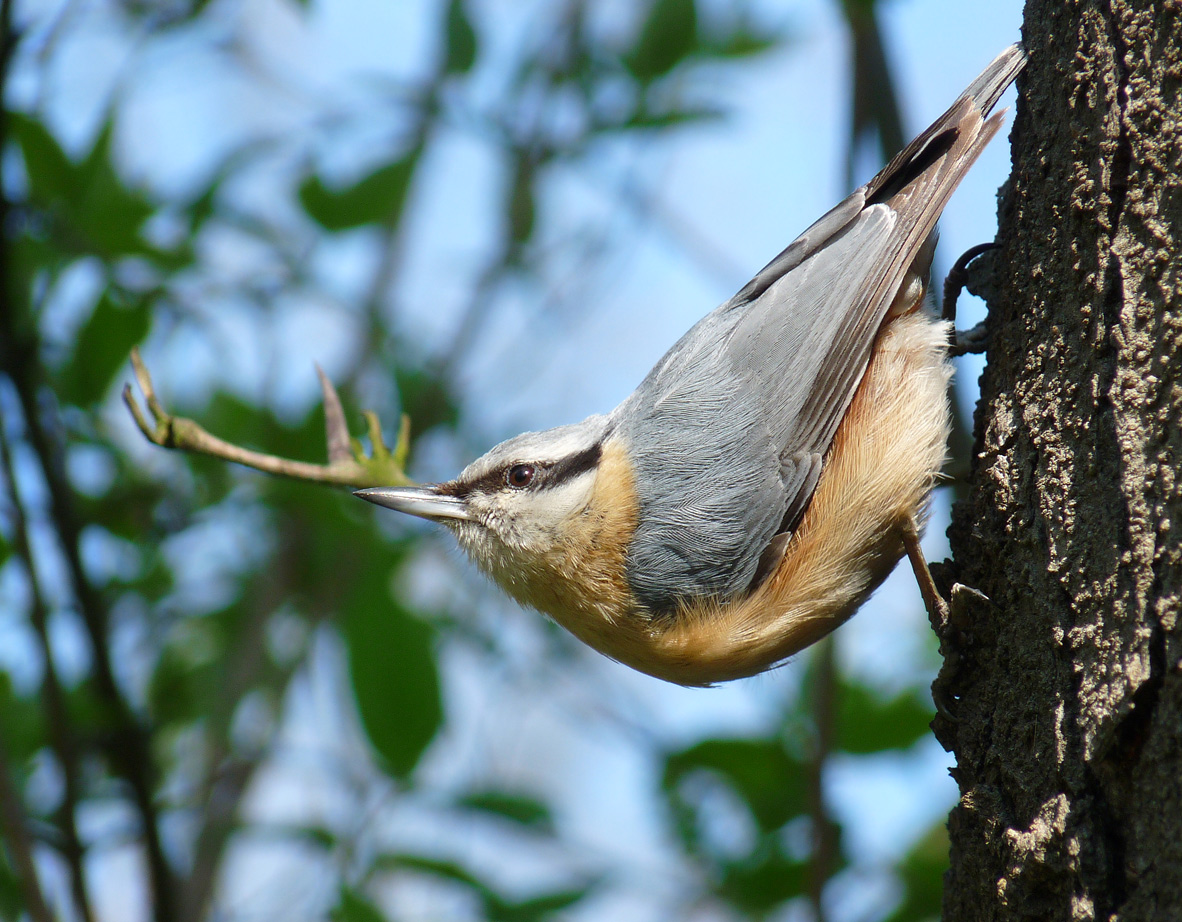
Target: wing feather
725	430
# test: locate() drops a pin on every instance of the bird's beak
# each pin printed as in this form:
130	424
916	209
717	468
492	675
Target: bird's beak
424	502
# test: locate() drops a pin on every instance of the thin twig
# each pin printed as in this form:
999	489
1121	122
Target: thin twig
19	842
219	815
382	468
226	775
62	737
393	237
13	813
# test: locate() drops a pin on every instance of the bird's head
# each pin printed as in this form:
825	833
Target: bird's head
524	511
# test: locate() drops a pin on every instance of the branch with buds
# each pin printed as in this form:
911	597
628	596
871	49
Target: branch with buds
348	464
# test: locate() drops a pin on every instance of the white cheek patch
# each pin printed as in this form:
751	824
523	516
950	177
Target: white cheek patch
537	518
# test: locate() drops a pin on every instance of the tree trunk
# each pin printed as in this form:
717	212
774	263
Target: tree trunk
1069	739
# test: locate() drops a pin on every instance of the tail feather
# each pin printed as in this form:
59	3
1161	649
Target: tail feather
988	87
980	95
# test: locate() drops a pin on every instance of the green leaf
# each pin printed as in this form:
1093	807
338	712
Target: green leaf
759	886
204	206
86	708
104	216
12	897
21	723
767	778
375	199
461	39
101	349
353	907
858	8
668	35
127	509
190	672
741	40
28	255
424	396
395	682
173	694
866	724
448	870
319	837
108	212
743	44
496	907
648	118
232	417
520	809
52	176
535	908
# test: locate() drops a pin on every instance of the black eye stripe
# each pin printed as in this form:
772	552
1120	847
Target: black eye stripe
573	465
545	474
489	483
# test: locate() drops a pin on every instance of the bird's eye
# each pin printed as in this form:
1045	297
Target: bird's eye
519	475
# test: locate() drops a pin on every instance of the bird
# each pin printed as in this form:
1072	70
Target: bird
773	466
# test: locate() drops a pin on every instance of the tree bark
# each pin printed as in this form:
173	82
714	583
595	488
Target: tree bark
1069	740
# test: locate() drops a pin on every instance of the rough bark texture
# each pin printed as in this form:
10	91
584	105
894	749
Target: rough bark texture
1069	744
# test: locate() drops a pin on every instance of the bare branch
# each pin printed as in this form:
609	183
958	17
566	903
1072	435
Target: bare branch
228	771
354	469
19	842
127	744
61	731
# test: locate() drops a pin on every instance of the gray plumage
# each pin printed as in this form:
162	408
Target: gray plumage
728	431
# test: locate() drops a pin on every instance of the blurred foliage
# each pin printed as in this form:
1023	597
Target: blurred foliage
172	612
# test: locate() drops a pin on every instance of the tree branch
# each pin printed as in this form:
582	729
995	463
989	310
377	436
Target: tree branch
127	741
226	774
61	731
348	464
19	842
16	832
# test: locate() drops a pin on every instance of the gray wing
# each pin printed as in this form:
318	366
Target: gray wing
729	431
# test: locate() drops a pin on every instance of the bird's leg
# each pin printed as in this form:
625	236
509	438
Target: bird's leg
938	611
932	600
976	339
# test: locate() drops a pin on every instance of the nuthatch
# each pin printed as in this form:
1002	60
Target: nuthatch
773	466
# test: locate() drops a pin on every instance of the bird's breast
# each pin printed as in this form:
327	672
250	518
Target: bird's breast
579	579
